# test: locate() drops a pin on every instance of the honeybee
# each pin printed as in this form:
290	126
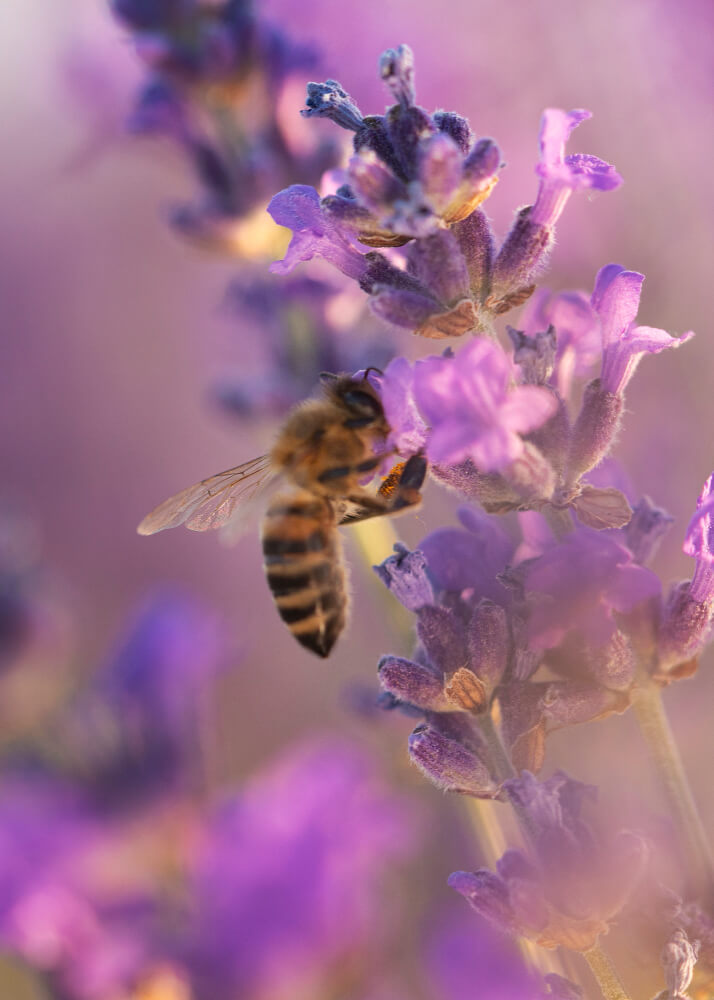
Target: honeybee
325	449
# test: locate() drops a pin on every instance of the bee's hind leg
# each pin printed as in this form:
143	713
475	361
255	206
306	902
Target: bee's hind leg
394	496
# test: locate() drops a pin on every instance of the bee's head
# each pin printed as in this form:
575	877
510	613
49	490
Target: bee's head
356	395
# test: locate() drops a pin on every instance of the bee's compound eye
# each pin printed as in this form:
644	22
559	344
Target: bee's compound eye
362	403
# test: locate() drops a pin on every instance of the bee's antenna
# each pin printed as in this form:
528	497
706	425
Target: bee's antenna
372	368
327	377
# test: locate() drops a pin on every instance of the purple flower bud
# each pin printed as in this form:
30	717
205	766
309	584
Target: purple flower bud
405	575
315	233
330	100
523	255
488	895
415	683
442	635
616	299
678	959
488	642
451	765
646	529
456	127
534	355
396	68
577	329
477	245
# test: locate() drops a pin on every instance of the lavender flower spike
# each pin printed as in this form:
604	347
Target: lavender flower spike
329	100
616	299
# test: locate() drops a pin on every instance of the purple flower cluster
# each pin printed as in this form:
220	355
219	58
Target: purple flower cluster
568	887
419	179
216	77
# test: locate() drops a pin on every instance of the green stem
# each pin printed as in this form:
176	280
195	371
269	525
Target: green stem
503	769
604	971
657	733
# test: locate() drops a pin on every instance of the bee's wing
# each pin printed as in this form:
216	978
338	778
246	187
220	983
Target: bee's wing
213	502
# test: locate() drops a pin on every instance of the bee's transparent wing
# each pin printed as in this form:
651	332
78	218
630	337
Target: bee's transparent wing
214	502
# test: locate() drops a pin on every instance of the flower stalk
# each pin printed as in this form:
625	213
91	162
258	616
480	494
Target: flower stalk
657	734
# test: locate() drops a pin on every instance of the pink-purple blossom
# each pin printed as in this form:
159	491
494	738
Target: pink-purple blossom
559	174
472	409
616	299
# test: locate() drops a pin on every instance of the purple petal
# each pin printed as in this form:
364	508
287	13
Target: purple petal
527	407
588	171
699	539
402	306
438	264
314	233
488	895
408	430
440	169
621	358
555	129
405	575
616	299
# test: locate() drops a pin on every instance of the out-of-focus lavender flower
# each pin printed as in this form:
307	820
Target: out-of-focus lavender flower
299	327
289	875
133	732
218	74
464	960
580	583
569	887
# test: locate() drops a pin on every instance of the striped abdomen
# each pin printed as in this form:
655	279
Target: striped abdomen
303	564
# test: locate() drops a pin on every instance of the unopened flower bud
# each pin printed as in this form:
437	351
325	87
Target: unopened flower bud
404	574
685	627
330	100
452	766
488	642
415	683
645	530
595	429
524	252
442	635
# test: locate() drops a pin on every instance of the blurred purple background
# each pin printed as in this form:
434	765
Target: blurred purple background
113	330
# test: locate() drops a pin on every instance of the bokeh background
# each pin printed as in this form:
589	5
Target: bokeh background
114	329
